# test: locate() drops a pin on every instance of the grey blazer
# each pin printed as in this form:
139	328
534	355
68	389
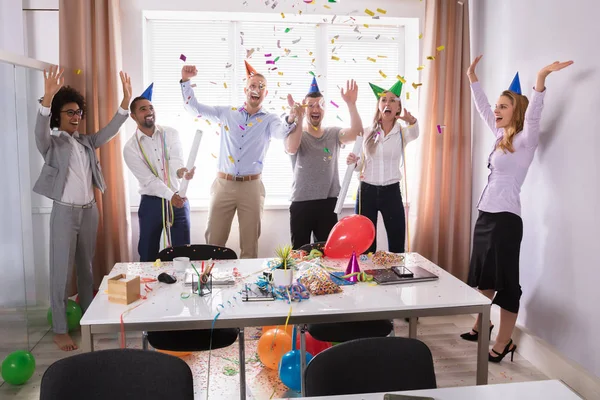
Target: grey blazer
56	151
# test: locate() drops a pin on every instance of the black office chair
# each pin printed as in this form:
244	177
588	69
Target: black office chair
118	374
370	366
198	339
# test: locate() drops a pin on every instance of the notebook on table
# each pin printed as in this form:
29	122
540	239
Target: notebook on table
393	275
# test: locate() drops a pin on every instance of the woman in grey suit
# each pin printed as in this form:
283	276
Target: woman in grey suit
70	171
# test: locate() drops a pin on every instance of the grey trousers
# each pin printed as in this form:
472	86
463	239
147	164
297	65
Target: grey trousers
72	242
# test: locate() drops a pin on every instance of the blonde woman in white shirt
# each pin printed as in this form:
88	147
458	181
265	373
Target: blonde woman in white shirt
379	165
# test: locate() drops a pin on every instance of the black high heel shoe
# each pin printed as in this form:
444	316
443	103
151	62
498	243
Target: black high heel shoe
499	356
473	338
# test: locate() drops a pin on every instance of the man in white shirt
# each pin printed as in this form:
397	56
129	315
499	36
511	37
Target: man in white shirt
155	157
70	171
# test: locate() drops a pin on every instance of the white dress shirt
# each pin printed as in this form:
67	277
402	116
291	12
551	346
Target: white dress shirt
78	187
150	184
382	167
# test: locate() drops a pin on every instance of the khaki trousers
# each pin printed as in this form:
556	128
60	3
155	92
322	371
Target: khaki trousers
227	197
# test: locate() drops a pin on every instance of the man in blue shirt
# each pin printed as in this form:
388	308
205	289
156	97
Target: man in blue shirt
245	135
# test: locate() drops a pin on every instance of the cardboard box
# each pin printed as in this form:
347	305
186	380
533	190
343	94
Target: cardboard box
122	290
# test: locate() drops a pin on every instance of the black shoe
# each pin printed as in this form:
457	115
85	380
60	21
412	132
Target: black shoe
507	349
474	337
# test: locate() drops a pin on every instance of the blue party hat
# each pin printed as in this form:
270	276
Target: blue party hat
314	87
515	85
148	92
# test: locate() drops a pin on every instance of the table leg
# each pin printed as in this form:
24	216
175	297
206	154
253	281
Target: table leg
412	327
302	358
483	345
242	364
87	341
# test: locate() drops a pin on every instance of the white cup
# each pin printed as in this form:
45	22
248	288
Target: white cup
181	263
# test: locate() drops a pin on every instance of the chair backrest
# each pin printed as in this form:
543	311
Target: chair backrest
197	252
118	374
369	366
316	245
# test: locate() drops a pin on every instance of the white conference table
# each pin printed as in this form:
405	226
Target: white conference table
547	390
165	309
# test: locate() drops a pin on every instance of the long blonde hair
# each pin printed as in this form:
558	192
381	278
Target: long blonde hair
369	141
517	122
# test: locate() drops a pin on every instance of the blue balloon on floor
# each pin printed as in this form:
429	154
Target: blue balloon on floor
289	369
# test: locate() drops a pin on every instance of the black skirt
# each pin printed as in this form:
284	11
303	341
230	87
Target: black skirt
496	247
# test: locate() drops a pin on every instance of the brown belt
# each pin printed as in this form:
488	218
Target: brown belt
237	178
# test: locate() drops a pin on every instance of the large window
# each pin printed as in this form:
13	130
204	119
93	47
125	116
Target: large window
332	52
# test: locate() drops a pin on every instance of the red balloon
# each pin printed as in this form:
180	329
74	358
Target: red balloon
351	233
313	346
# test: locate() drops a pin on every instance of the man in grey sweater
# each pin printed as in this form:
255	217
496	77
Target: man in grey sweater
70	171
314	151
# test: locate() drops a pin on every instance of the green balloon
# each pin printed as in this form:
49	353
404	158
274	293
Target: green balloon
74	315
18	367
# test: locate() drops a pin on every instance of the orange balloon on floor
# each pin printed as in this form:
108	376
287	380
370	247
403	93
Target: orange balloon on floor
289	330
272	345
175	353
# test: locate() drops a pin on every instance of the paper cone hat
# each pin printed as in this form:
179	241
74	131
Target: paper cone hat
515	85
249	70
352	268
396	89
148	92
314	87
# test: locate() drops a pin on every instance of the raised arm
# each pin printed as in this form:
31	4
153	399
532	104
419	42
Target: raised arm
533	115
348	135
53	81
481	101
190	102
411	131
105	134
293	140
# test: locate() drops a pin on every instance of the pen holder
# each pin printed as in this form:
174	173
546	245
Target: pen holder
201	288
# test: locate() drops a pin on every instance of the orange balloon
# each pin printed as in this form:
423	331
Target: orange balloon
175	353
272	345
289	330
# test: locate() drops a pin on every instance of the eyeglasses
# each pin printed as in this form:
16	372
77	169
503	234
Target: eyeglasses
71	113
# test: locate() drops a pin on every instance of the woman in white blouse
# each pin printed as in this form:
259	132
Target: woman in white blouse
379	165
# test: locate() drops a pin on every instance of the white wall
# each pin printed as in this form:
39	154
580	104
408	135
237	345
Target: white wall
40	26
12	285
559	257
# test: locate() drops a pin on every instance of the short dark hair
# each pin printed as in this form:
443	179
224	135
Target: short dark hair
314	95
135	101
65	95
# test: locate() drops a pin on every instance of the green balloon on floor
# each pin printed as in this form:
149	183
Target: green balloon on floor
18	367
74	315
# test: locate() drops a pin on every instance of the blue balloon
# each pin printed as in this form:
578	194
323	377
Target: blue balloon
289	369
